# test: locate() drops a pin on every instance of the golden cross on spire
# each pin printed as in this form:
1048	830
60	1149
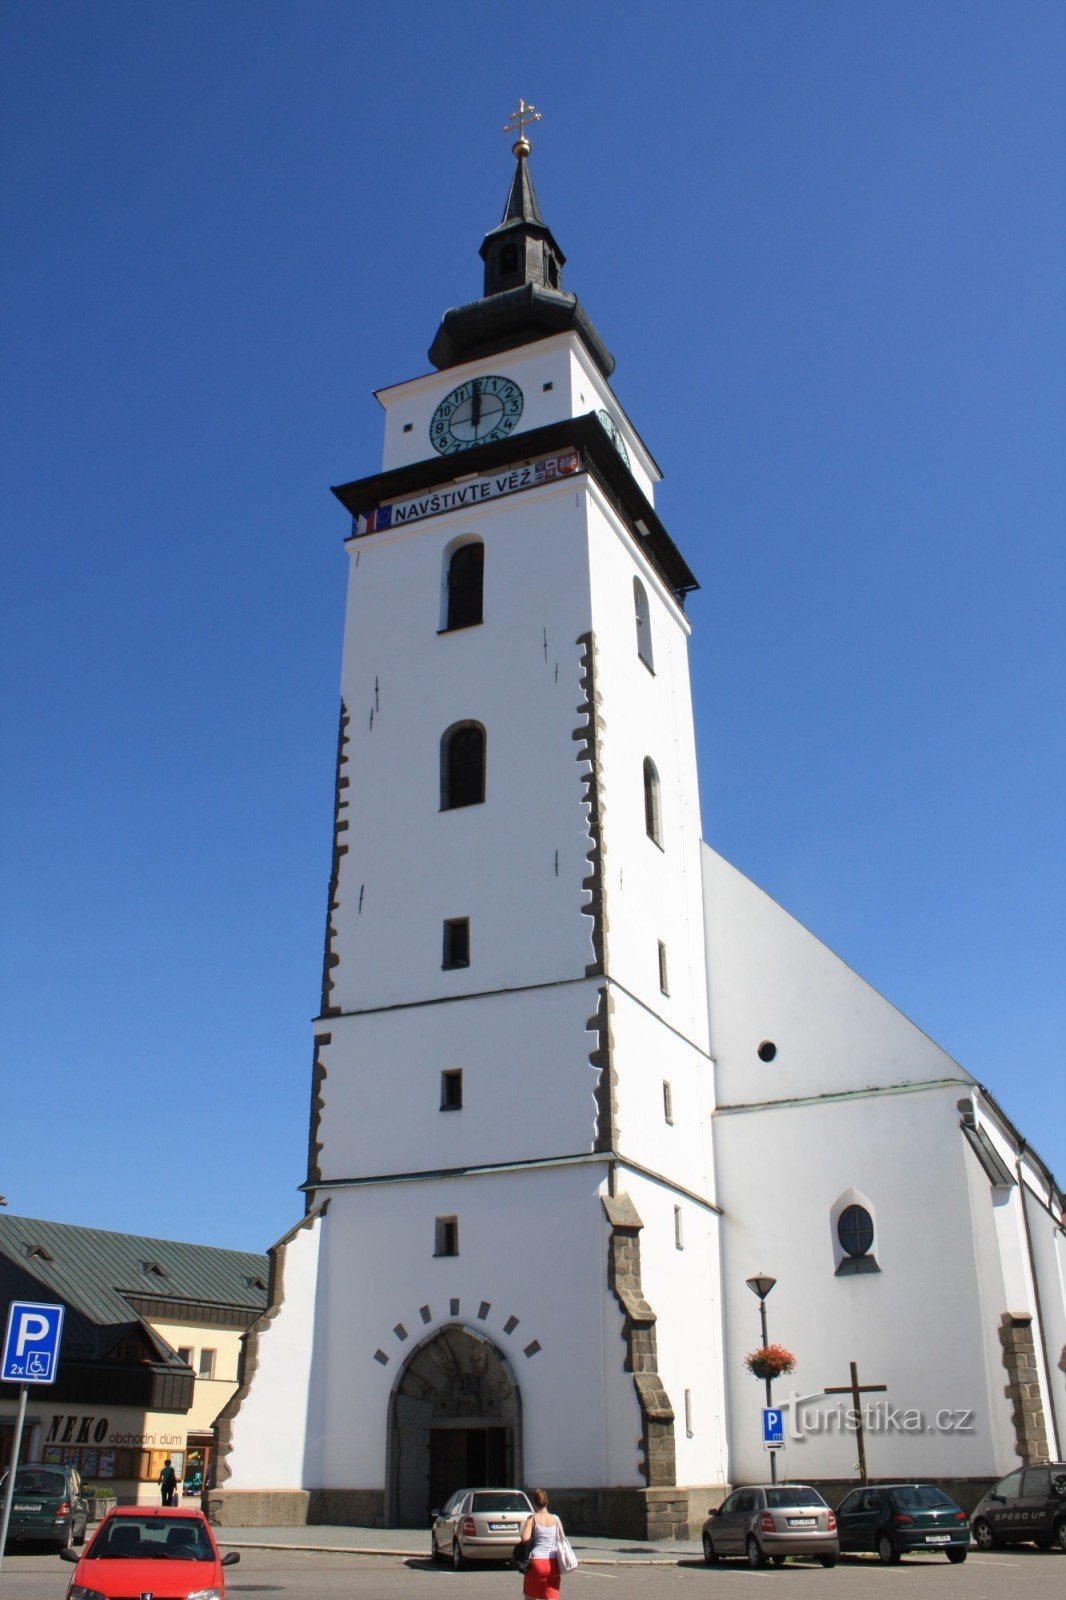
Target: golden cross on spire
516	123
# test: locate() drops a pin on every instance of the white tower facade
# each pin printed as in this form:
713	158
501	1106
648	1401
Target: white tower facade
510	1266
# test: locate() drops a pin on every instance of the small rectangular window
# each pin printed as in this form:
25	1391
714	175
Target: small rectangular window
456	942
679	1240
446	1236
451	1089
185	1354
664	983
207	1364
688	1413
668	1103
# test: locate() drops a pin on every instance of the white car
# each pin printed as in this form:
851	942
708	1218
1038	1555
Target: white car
479	1525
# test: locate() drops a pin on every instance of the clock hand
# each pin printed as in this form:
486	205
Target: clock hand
475	407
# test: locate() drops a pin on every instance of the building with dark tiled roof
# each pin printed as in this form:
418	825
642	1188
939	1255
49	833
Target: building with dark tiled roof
151	1339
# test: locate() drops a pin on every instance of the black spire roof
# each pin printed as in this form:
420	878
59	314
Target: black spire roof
523	297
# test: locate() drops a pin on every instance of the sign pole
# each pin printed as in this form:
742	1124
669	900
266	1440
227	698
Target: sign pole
16	1445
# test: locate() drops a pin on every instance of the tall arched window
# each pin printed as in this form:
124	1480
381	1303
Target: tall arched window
464	586
462	766
640	607
653	820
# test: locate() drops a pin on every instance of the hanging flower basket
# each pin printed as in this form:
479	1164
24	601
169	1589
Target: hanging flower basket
770	1361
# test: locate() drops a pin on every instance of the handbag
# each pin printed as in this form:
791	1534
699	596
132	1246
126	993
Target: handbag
523	1553
564	1552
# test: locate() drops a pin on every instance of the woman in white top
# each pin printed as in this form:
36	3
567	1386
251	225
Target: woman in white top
542	1574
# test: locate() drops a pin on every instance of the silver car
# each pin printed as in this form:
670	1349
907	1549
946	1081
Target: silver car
479	1525
770	1522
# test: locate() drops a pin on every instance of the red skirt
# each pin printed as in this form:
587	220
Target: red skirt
542	1580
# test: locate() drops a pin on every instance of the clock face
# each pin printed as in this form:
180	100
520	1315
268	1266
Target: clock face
613	432
477	412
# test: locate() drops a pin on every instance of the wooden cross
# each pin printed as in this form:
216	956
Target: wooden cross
855	1389
516	122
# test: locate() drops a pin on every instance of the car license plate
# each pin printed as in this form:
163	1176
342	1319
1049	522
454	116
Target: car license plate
938	1538
26	1508
803	1522
502	1527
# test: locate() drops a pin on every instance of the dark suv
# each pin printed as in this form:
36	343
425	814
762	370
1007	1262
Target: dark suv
1027	1505
47	1505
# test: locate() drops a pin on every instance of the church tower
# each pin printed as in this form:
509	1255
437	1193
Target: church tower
509	1269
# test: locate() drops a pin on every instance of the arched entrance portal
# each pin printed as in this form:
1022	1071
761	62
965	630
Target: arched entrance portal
455	1419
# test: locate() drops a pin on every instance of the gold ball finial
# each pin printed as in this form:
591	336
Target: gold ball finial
516	123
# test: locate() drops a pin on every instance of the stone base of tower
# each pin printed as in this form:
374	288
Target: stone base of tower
673	1513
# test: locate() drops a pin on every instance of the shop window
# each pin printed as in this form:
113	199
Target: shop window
464	586
653	821
643	618
462	766
446	1235
451	1089
456	943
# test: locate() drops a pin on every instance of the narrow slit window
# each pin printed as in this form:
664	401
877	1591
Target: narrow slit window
446	1236
464	586
688	1413
679	1237
462	766
653	819
643	618
456	951
668	1103
451	1089
664	981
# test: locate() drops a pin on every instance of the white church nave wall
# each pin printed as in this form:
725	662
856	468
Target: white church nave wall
772	983
915	1323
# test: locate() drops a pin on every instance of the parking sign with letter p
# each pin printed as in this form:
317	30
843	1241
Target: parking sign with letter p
31	1343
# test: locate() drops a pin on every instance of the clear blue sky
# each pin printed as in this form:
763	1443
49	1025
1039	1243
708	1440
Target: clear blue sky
824	241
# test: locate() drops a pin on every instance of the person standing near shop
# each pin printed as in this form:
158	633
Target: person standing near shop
168	1483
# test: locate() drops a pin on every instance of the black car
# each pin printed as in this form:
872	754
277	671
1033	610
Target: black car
897	1518
47	1505
1029	1505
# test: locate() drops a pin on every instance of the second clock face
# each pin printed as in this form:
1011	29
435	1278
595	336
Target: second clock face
477	412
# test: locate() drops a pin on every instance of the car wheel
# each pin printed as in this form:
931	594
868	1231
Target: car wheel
956	1557
710	1554
434	1552
828	1561
458	1558
756	1554
79	1538
68	1537
886	1550
983	1537
1060	1535
779	1561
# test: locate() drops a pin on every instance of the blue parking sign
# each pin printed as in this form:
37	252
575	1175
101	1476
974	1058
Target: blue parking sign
31	1343
773	1428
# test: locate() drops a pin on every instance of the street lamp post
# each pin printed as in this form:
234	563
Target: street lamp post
761	1287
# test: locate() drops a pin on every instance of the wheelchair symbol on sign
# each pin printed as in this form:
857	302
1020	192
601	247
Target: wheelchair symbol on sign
37	1365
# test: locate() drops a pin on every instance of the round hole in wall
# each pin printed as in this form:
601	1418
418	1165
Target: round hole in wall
767	1050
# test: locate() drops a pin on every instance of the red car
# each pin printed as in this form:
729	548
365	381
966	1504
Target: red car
128	1553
